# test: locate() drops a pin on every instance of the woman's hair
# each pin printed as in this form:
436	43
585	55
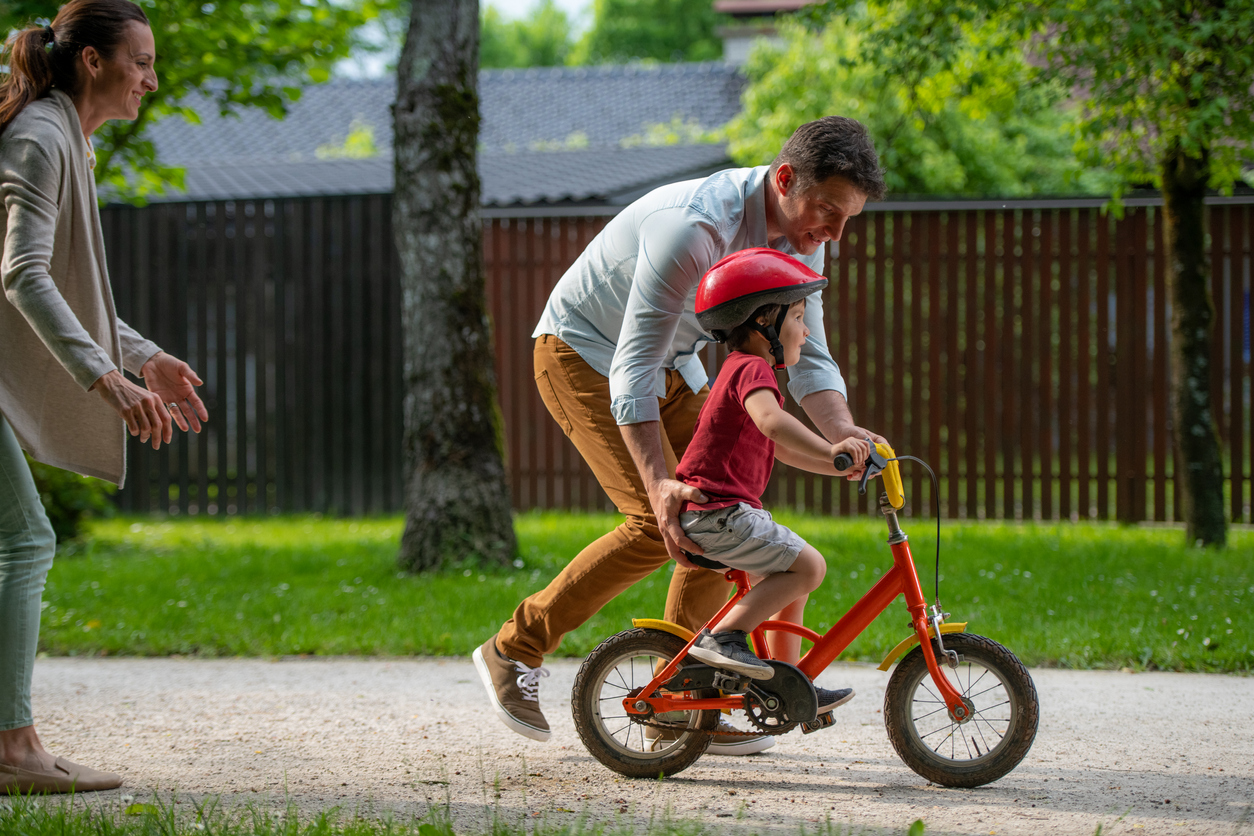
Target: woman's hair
738	337
43	57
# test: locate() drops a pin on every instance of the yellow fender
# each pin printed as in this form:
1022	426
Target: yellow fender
664	626
896	652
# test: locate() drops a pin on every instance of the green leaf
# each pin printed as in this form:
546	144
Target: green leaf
916	829
141	809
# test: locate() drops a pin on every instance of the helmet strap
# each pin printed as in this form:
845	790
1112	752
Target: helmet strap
771	332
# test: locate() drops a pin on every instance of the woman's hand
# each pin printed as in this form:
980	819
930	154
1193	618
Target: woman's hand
172	381
144	412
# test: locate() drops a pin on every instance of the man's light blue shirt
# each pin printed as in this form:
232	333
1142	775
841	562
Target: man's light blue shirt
627	303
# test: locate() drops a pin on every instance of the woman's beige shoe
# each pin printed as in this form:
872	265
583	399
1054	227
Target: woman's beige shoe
59	775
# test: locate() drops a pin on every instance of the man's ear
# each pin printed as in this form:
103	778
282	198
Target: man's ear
785	177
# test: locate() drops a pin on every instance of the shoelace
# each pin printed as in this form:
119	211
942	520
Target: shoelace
529	681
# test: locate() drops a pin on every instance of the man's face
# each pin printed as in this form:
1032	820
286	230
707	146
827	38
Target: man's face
809	218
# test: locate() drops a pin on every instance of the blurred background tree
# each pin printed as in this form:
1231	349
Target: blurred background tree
542	39
650	30
988	123
257	53
1166	101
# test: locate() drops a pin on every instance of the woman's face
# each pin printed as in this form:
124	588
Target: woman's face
121	81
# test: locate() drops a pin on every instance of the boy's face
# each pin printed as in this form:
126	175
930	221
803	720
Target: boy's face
794	332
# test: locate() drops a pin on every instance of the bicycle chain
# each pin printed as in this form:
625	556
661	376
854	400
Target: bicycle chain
653	724
732	733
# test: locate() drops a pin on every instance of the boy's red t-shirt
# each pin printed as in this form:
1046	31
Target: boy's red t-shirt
729	458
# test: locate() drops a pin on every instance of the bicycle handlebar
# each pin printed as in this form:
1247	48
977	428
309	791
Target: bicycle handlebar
884	461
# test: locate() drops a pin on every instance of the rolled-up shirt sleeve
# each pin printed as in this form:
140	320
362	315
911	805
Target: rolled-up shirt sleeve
816	371
675	251
29	188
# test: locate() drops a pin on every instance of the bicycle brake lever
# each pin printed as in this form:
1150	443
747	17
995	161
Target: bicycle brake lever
875	463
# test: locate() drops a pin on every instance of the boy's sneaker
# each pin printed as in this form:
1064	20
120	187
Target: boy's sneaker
729	650
830	699
514	689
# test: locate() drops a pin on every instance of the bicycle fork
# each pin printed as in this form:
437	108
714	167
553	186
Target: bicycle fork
924	626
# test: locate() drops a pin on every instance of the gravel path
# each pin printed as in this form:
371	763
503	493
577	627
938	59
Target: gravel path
1136	753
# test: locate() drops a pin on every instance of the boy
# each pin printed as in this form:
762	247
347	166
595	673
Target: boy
754	300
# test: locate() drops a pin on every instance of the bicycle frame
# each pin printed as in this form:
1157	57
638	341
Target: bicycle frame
902	579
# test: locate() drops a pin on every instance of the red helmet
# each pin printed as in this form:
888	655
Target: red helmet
745	281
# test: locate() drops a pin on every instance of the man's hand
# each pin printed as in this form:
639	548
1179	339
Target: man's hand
852	431
666	496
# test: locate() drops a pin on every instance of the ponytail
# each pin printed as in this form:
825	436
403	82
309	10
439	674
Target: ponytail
43	57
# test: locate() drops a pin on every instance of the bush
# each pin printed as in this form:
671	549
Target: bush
70	498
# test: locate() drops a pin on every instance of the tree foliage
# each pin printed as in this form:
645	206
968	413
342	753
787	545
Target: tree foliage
542	39
240	53
1147	76
650	30
988	123
1165	87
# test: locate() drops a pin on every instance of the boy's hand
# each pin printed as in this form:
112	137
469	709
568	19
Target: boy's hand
858	449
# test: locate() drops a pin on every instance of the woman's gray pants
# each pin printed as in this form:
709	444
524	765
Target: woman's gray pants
27	546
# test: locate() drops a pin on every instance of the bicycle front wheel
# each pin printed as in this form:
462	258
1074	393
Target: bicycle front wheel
981	749
620	666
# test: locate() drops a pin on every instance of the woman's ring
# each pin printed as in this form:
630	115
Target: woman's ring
172	406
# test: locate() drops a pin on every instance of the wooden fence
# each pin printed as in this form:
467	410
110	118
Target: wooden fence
1019	347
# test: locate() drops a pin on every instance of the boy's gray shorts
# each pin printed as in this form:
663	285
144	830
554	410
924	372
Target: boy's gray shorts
743	537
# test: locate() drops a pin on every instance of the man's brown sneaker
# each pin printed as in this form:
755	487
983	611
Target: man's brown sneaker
722	744
514	690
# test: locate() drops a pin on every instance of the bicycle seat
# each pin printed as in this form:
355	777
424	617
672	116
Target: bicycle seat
706	563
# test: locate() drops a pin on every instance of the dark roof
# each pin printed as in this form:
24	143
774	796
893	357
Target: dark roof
547	135
611	177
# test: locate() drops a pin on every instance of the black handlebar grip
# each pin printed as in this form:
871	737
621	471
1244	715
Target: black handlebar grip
843	461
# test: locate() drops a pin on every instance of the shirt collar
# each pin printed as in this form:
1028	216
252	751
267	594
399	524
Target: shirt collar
755	212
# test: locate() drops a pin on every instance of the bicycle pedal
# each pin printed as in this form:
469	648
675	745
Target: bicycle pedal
820	722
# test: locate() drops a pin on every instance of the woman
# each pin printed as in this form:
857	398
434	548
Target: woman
62	346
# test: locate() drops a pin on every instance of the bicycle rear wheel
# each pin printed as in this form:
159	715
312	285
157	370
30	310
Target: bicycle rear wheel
622	665
1002	724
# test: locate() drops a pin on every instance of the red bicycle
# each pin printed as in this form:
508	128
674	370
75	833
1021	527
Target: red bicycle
960	709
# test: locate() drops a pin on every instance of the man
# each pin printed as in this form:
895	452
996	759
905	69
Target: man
616	364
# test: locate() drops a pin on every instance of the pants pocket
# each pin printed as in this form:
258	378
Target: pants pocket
549	395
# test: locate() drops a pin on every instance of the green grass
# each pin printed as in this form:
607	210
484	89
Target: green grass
1080	596
59	816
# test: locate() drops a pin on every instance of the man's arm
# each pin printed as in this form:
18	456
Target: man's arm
829	411
666	495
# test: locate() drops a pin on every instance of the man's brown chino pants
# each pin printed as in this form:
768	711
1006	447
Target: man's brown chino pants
578	397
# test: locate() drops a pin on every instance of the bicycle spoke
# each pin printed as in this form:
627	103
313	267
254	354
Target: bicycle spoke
985	691
971	684
992	728
952	726
981	734
991	707
930	713
965	742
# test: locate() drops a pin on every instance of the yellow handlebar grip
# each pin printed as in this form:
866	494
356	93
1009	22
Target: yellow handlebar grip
892	477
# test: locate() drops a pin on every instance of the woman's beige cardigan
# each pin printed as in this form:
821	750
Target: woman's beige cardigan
58	330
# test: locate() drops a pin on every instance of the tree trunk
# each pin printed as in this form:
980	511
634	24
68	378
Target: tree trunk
1197	443
457	502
